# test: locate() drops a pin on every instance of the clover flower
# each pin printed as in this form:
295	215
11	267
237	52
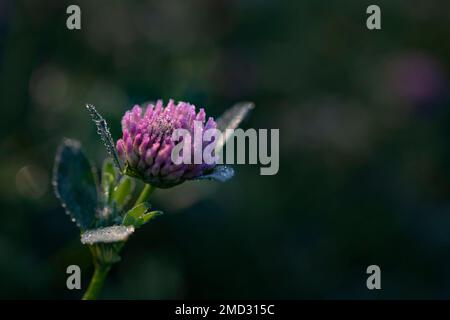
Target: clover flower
146	145
100	204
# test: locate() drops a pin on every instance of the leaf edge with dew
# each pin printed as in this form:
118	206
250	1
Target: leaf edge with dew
231	119
105	135
85	218
111	234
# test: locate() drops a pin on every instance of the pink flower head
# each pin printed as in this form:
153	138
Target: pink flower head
146	145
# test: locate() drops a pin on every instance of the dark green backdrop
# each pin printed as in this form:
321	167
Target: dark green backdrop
364	145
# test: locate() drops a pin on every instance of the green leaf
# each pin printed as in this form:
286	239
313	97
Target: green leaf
75	183
151	215
105	135
107	185
108	180
123	191
220	173
109	167
107	235
140	215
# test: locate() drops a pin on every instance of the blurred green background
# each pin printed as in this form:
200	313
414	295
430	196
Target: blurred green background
364	145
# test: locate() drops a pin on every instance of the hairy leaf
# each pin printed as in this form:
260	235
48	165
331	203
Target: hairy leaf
220	173
107	235
231	119
105	135
75	183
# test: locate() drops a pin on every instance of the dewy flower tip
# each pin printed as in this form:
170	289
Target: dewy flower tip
146	145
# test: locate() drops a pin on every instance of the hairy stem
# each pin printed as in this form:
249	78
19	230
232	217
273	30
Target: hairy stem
146	192
97	281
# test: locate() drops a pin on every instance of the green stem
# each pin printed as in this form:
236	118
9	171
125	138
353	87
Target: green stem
146	192
97	281
102	269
